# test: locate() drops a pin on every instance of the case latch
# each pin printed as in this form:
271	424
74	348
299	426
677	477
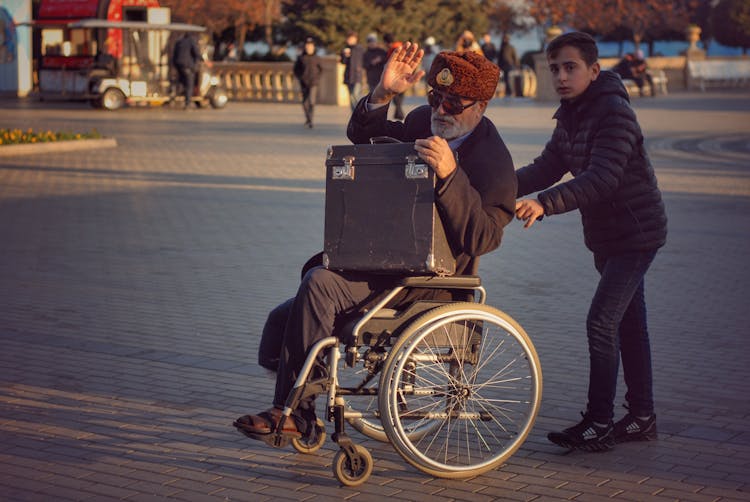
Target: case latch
345	172
413	170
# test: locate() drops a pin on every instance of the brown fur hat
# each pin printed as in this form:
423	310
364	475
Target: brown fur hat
469	75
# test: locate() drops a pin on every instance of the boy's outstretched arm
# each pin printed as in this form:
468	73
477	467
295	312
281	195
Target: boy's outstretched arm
529	210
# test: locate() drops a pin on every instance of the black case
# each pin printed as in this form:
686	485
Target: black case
380	214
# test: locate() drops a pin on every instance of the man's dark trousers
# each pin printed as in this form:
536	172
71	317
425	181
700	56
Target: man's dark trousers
308	102
187	79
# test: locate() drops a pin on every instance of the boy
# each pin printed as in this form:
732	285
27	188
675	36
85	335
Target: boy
598	140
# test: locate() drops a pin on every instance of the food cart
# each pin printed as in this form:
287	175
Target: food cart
112	53
143	74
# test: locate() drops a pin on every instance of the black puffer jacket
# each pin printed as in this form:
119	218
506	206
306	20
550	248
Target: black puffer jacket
598	140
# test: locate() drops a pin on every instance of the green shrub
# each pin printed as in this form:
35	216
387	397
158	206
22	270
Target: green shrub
20	137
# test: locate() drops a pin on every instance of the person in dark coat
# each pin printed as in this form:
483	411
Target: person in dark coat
185	57
633	67
352	57
307	69
598	141
507	60
475	196
373	61
488	47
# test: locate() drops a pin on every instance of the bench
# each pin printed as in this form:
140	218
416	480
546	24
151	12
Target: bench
719	73
658	76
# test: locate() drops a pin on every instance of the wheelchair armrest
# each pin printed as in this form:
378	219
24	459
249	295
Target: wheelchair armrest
449	282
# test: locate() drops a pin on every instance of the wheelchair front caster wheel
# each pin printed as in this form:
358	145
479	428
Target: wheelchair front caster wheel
354	467
314	441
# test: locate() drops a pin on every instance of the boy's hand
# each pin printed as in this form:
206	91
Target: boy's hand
401	72
529	210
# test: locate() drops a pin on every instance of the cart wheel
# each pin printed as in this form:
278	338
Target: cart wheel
113	99
218	98
352	475
314	441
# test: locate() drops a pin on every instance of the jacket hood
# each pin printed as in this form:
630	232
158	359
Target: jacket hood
608	82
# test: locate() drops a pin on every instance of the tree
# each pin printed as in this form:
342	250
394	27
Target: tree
330	20
638	20
508	16
731	23
552	12
242	15
194	12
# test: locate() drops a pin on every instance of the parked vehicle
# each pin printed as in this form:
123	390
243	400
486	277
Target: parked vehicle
144	73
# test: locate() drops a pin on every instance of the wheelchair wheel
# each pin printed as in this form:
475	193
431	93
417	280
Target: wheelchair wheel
312	442
473	371
352	471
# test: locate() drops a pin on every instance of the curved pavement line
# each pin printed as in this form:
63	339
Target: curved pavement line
717	148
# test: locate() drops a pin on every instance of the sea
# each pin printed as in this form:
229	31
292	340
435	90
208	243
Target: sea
530	41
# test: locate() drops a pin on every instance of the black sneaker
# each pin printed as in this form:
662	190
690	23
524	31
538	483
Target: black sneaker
585	435
632	428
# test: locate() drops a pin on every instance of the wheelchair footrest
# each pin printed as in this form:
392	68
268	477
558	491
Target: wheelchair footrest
271	439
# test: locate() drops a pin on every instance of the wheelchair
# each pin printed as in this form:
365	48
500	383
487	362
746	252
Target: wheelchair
454	386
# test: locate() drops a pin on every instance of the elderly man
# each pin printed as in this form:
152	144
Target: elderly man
475	195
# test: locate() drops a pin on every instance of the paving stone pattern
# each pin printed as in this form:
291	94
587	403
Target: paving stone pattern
134	283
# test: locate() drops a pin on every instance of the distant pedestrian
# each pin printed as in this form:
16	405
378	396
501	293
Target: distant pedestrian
467	42
430	51
374	61
398	99
307	69
231	53
186	58
488	48
352	56
507	60
598	140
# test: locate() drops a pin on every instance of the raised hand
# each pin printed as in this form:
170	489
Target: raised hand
402	70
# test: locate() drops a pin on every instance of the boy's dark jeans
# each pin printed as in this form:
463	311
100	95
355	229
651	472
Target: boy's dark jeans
616	327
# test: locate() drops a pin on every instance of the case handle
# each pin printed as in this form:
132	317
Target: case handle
376	140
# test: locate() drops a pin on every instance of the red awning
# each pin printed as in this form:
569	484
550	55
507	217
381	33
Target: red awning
68	9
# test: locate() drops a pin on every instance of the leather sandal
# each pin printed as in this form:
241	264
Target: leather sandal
266	423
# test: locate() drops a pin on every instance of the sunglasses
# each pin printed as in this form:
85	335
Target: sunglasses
452	105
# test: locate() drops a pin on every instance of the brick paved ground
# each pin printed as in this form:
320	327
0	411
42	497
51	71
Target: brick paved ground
134	282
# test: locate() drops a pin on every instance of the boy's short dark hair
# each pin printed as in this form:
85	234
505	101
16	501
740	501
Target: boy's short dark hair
584	42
